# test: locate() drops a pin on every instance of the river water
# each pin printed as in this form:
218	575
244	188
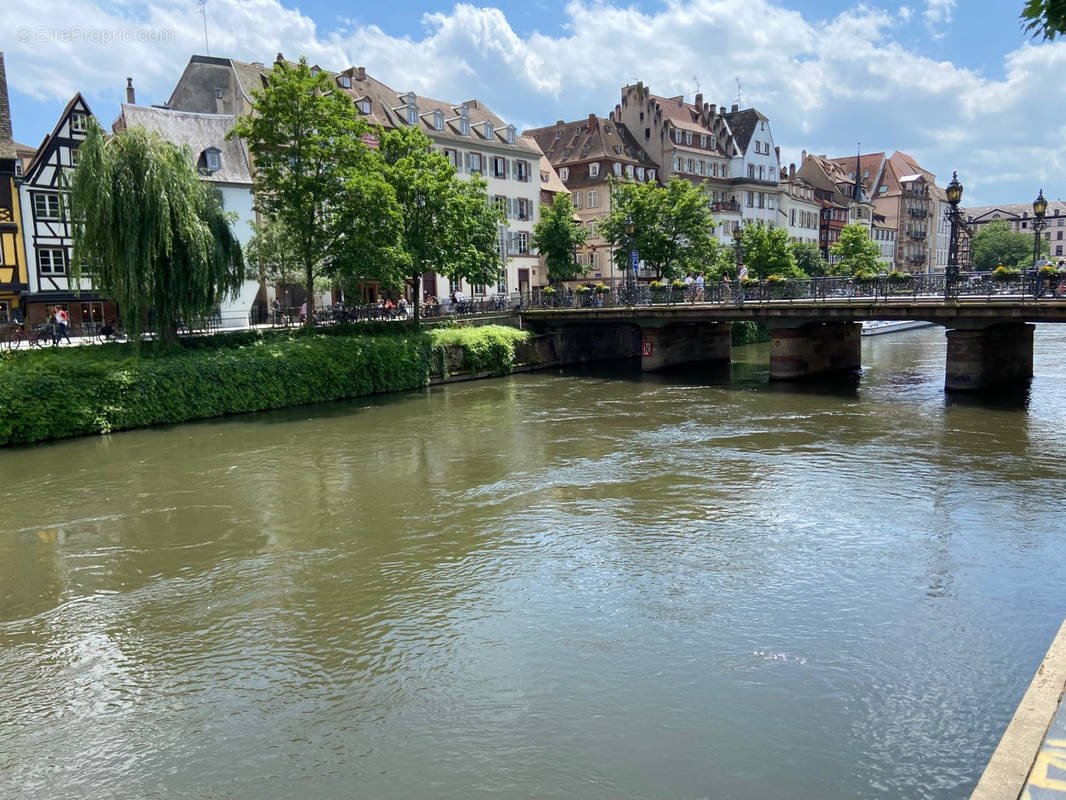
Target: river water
585	585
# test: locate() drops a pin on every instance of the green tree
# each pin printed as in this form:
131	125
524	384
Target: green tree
447	223
671	225
766	252
557	235
317	179
995	243
856	252
149	233
809	259
1045	18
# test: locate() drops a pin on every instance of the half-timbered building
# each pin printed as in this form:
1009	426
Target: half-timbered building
12	263
47	228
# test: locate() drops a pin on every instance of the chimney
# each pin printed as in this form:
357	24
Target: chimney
360	73
559	122
279	59
734	108
713	108
593	123
777	152
792	170
699	100
803	156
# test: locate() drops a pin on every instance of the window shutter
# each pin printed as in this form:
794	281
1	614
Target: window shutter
506	167
466	161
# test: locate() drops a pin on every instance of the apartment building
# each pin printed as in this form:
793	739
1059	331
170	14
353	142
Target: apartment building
730	153
884	237
587	155
475	140
798	210
1020	218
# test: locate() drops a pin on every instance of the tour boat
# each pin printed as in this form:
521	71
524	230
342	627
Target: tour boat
875	326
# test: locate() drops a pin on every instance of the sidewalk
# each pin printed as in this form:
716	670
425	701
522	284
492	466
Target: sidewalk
1030	761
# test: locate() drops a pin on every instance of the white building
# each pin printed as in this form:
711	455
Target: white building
221	162
798	209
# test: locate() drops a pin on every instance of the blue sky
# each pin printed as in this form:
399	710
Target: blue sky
957	85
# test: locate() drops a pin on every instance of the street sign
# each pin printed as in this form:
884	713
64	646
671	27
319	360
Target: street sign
636	259
645	349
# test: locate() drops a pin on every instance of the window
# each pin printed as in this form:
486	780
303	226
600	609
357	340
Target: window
499	167
617	168
762	172
46	206
78	122
521	243
677	164
701	165
452	156
651	174
564	174
412	114
677	136
212	159
464	121
489	132
522	207
438	120
751	170
364	106
750	198
510	134
725	170
475	161
73	159
688	137
769	201
703	140
521	170
771	171
594	170
501	203
577	200
52	260
640	173
691	166
592	259
345	82
594	199
760	200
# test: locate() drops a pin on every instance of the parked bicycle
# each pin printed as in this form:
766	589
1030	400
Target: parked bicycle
108	333
12	335
44	335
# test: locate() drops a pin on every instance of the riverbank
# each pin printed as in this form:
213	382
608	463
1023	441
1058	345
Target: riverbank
60	393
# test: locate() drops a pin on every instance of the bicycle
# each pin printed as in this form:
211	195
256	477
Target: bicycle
13	335
44	336
108	333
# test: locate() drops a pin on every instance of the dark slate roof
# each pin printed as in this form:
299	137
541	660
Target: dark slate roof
743	123
198	132
7	138
589	139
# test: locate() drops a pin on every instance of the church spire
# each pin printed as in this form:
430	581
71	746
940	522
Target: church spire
857	192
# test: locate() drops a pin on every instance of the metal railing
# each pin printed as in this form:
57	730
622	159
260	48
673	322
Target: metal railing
1025	287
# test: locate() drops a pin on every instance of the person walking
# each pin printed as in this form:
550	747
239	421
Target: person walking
62	321
701	285
742	275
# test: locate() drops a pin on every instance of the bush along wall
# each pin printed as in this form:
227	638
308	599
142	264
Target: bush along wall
54	394
749	332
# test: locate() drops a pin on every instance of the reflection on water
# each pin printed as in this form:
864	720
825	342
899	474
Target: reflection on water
594	584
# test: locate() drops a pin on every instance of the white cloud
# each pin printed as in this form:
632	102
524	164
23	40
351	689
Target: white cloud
824	84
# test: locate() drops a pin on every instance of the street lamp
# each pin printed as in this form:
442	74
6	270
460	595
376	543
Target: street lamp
631	268
951	277
1039	223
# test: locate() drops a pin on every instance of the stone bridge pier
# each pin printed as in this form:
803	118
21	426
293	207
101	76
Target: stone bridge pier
990	356
674	344
814	348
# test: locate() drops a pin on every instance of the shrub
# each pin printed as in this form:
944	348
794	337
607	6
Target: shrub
895	276
486	348
1002	273
602	288
548	290
583	289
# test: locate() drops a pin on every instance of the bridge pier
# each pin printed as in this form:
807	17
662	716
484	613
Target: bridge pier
987	357
815	348
668	346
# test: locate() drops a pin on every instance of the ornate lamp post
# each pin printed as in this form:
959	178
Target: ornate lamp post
631	268
951	276
1039	223
738	236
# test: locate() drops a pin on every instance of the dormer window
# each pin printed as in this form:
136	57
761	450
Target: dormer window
345	82
410	101
617	168
438	120
412	115
510	134
464	121
564	174
488	130
594	170
212	159
640	173
651	174
703	140
688	137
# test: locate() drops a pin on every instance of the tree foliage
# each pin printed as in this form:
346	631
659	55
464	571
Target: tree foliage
557	235
995	244
809	259
766	252
671	225
856	252
447	224
1045	18
148	232
317	179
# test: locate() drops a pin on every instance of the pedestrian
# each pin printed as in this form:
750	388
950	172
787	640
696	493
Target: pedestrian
742	275
303	312
701	285
690	287
62	320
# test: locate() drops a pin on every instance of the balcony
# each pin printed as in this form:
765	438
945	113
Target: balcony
726	205
918	259
917	234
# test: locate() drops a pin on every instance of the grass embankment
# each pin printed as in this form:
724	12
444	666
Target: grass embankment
63	392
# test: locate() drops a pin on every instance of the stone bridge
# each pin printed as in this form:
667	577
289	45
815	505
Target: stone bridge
990	337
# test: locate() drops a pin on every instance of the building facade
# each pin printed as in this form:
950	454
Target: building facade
475	140
587	155
1020	218
47	234
799	211
13	273
223	163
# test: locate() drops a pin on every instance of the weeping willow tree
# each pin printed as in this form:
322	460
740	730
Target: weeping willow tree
148	233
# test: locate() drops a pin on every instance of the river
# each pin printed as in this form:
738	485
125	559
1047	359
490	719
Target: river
590	584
